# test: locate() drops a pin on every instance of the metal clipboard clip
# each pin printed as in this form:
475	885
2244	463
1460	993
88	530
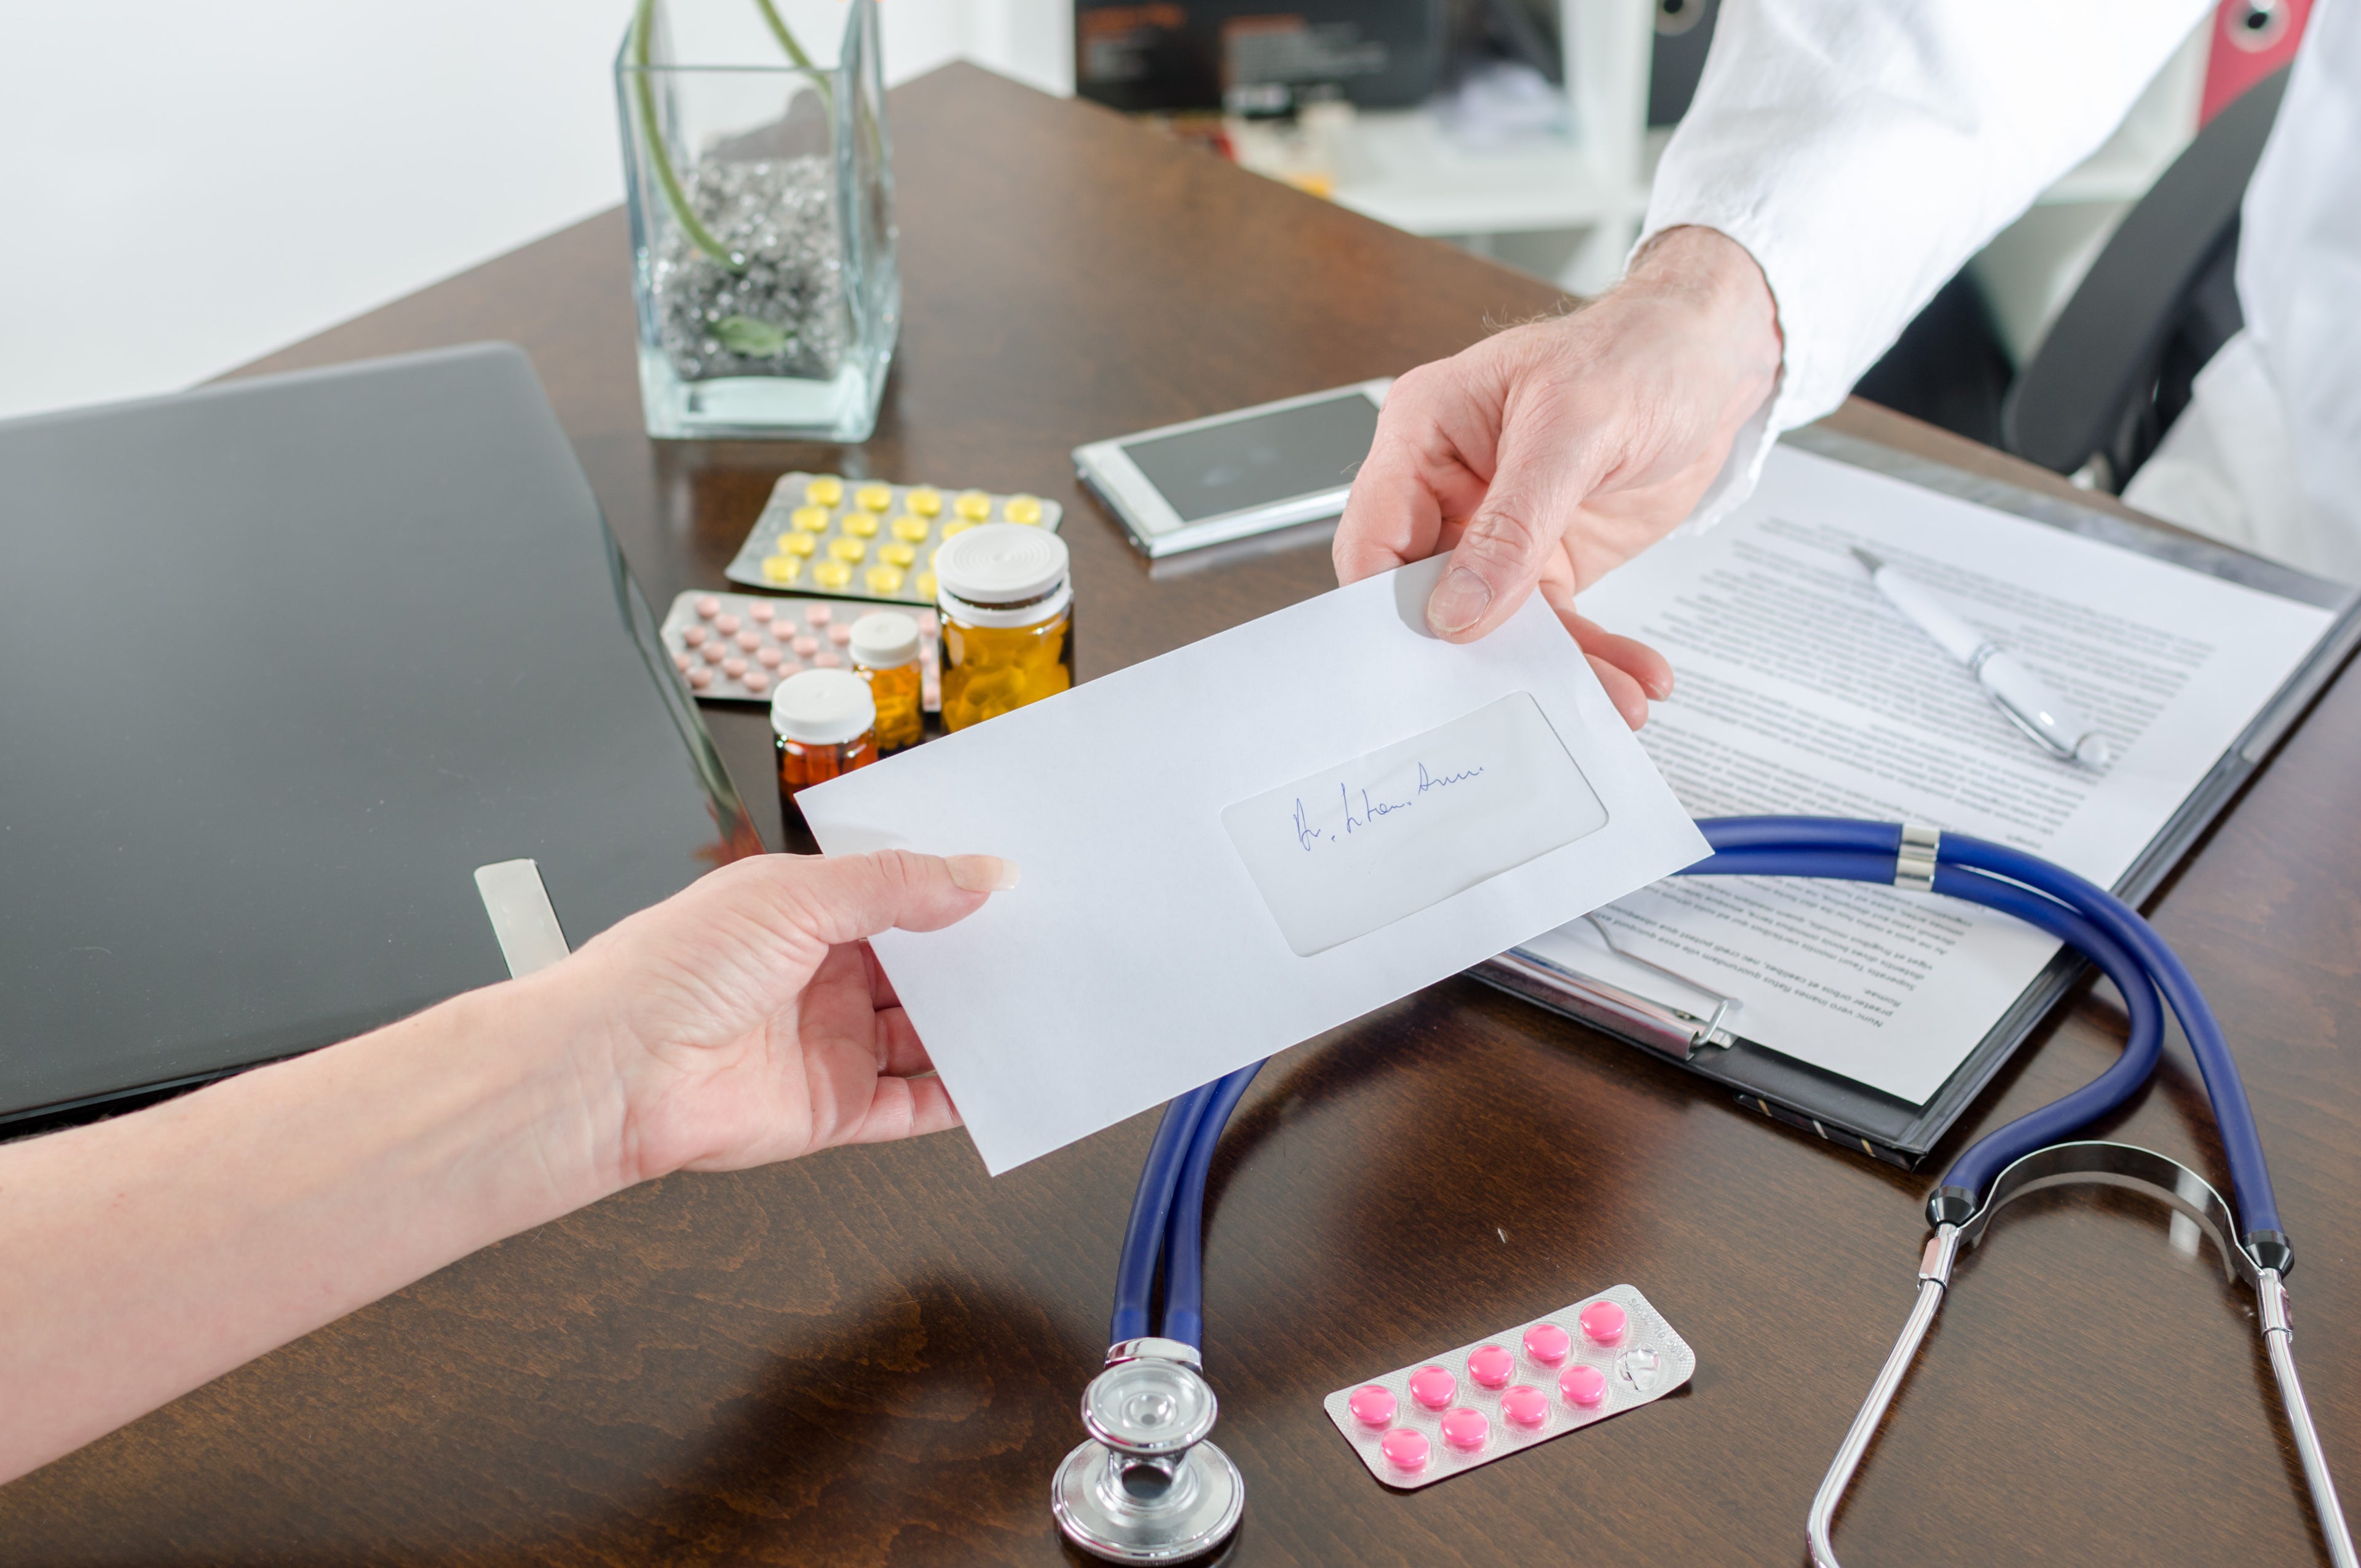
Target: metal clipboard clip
1674	1031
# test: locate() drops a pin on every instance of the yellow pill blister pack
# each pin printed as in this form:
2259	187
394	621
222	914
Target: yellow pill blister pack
865	539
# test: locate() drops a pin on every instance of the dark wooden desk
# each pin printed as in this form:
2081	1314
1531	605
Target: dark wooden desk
873	1357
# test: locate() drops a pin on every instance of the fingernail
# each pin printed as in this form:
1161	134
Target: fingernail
1661	689
1459	601
981	873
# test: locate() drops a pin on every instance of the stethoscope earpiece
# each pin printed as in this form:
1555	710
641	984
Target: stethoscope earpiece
2260	1259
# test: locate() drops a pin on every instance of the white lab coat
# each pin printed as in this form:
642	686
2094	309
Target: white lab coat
1861	150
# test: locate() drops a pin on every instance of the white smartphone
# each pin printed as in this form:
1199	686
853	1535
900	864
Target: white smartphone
1251	471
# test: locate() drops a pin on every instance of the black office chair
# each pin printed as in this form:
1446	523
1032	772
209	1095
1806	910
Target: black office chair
2162	299
2114	370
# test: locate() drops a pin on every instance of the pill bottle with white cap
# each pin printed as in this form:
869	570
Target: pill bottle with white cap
826	725
884	650
1008	620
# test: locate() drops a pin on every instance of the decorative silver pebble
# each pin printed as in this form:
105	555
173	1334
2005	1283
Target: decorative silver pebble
781	218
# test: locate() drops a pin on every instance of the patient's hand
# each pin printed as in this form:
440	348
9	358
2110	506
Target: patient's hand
1549	454
739	1021
744	1020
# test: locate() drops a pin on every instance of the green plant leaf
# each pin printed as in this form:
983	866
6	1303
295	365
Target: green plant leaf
659	157
747	336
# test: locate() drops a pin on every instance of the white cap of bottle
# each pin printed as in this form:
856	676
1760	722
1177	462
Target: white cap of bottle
823	707
1002	574
884	640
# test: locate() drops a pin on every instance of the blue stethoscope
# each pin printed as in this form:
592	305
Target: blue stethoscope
1147	1488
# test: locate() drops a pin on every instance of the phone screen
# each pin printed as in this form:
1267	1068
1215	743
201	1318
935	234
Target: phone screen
1254	461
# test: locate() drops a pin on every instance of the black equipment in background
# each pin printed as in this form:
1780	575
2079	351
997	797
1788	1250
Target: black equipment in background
1193	56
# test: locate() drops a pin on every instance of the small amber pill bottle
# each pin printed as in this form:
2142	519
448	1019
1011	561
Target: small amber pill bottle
884	650
1008	620
825	724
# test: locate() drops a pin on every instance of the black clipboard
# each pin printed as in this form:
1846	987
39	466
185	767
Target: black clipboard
1852	1115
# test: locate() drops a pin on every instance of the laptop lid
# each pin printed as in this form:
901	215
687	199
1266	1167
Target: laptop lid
282	663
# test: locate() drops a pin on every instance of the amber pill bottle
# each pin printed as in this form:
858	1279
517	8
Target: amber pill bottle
825	724
1008	620
884	650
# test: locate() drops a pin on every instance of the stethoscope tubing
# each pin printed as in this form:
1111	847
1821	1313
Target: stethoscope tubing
1168	1215
2242	1143
2144	1043
1143	1238
1166	1218
1184	1272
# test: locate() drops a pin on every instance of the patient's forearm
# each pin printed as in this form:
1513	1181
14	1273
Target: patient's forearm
150	1254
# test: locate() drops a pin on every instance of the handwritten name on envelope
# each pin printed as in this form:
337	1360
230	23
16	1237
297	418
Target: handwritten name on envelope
1339	853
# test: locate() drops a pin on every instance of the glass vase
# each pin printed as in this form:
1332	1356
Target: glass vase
760	187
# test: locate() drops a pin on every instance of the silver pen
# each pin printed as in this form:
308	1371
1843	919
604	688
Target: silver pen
2017	692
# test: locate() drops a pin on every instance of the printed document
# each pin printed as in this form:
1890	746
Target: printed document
1800	689
1258	837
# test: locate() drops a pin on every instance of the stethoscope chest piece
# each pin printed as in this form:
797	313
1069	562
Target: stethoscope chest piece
1147	1488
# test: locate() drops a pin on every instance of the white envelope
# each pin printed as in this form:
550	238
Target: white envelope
1254	838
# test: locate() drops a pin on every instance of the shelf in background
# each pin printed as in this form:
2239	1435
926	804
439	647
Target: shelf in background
1402	167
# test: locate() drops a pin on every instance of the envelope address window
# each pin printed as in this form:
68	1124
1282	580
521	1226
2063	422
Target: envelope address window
1353	847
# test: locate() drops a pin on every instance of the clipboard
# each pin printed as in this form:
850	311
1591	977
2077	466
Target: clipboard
1852	1115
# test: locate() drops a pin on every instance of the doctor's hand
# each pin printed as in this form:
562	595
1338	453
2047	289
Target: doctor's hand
744	1020
1554	452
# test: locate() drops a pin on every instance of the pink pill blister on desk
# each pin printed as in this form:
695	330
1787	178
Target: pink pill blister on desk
1547	1343
1583	1385
1524	1407
1465	1430
737	647
1592	1359
1603	1321
1404	1450
930	673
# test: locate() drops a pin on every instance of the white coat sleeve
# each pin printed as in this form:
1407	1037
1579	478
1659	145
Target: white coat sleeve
2299	283
1861	150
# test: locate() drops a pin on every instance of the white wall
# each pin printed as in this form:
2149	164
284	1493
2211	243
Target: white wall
188	186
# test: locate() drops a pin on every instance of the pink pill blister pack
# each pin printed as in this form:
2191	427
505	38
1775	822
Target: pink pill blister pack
737	647
1426	1422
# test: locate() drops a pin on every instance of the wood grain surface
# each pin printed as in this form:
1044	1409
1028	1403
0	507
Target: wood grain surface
873	1357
